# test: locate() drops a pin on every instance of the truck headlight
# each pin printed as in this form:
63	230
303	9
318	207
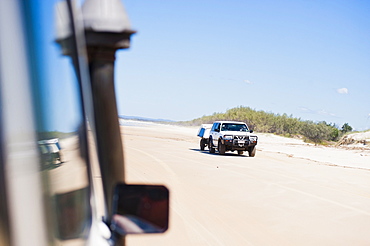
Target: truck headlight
253	139
228	137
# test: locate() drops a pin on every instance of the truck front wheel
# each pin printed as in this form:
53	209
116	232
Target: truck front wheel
252	151
221	148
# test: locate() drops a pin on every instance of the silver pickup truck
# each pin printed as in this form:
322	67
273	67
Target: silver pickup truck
230	136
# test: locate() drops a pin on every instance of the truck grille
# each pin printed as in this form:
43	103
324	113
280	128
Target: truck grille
240	137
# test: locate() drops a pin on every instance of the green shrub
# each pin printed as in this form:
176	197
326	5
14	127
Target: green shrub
262	121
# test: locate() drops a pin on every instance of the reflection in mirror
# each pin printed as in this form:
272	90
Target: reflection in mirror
140	209
61	129
51	153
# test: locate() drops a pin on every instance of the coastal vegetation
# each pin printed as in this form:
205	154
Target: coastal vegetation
286	125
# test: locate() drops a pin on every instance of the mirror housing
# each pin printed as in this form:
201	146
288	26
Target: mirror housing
140	209
251	131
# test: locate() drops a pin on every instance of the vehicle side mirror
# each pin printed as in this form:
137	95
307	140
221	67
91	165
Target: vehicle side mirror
251	131
217	130
140	209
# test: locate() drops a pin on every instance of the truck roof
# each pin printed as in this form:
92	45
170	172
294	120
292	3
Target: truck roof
234	122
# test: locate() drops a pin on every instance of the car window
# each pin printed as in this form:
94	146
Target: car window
214	126
234	127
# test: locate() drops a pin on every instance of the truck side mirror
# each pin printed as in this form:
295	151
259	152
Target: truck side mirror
251	131
140	209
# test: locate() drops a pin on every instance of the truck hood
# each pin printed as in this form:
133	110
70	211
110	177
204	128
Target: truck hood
239	133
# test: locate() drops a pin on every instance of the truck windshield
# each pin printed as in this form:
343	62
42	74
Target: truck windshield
234	127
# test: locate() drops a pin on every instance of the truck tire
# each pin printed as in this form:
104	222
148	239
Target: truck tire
202	144
240	152
221	148
210	146
252	151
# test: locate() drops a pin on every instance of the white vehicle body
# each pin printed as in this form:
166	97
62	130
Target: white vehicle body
230	136
43	204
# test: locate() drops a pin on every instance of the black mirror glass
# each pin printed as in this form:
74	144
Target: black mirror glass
140	209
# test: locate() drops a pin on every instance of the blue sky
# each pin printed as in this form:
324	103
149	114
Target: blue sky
56	81
191	58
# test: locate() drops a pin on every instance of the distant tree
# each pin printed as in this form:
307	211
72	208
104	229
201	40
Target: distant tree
53	134
334	136
346	128
316	132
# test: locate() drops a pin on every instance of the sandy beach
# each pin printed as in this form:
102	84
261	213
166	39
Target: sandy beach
291	193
